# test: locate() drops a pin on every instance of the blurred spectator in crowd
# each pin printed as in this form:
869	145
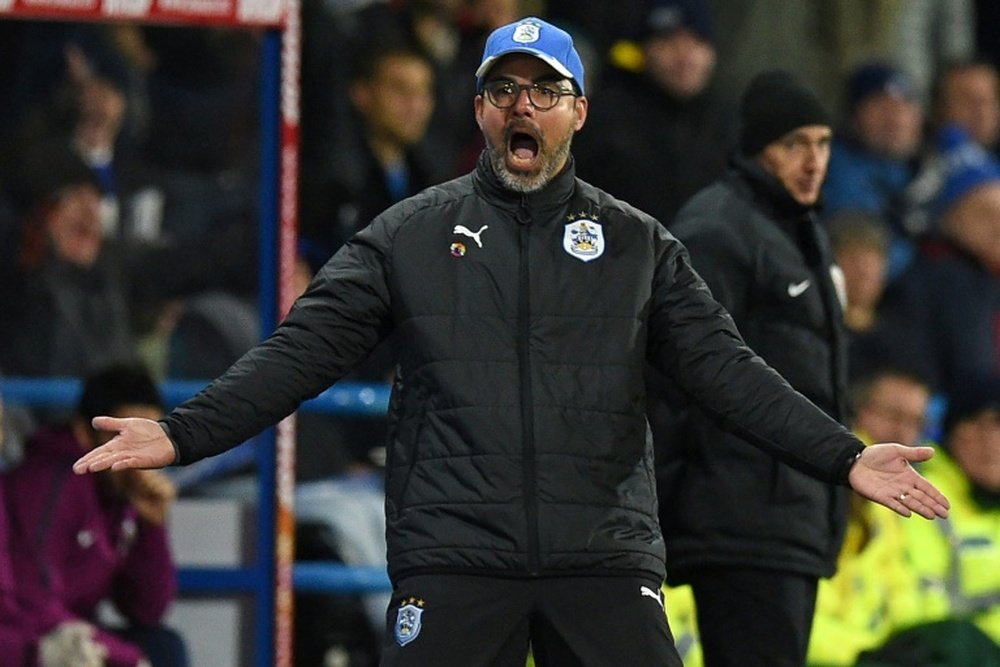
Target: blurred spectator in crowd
65	306
967	93
875	158
957	561
451	34
87	111
339	37
332	34
33	70
860	241
659	133
95	112
79	541
380	161
755	239
890	405
185	234
931	33
858	607
80	85
949	299
436	30
13	639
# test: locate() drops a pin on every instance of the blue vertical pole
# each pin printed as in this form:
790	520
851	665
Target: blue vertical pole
270	128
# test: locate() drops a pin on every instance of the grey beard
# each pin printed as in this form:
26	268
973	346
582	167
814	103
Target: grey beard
526	183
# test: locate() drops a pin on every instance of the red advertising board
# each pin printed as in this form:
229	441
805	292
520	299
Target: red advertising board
190	12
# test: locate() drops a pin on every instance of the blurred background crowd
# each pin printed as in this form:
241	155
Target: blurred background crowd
128	221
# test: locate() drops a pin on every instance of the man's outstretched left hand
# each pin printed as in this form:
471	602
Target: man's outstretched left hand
883	474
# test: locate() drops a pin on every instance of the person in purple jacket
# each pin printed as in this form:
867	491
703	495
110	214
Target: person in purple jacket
13	643
77	541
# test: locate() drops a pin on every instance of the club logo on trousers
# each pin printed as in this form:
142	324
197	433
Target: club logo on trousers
584	239
408	623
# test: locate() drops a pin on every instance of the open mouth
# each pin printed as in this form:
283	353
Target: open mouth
522	149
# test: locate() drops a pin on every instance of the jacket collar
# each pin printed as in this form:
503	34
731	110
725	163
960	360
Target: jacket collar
768	190
554	195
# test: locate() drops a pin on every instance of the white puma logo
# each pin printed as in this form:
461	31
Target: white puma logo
650	593
464	231
796	289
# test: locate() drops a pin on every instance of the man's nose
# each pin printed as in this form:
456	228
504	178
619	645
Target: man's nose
815	156
523	103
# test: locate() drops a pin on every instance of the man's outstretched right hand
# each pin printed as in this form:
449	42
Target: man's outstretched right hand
139	443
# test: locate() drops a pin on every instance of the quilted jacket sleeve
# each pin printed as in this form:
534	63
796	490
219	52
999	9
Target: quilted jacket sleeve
340	319
694	340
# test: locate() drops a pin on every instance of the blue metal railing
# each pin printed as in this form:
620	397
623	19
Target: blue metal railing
344	398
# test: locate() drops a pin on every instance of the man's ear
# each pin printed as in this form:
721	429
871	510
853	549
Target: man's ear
580	107
477	104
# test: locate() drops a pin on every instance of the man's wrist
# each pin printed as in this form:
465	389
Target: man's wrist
849	465
170	438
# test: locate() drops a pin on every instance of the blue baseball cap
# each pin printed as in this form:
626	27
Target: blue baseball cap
537	38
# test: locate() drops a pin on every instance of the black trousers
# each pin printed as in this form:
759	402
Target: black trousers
479	621
753	618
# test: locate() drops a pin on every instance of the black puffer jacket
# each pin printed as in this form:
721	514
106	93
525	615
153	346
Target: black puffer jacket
518	442
768	262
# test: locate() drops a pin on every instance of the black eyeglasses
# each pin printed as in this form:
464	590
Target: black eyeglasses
543	96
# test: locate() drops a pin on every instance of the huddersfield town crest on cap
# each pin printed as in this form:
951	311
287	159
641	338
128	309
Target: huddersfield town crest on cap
526	32
408	622
537	38
584	239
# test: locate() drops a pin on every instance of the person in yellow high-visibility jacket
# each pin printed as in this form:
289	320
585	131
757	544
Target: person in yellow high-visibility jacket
856	609
957	561
678	602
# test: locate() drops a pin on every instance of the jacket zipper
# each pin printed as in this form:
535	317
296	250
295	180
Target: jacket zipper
524	368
